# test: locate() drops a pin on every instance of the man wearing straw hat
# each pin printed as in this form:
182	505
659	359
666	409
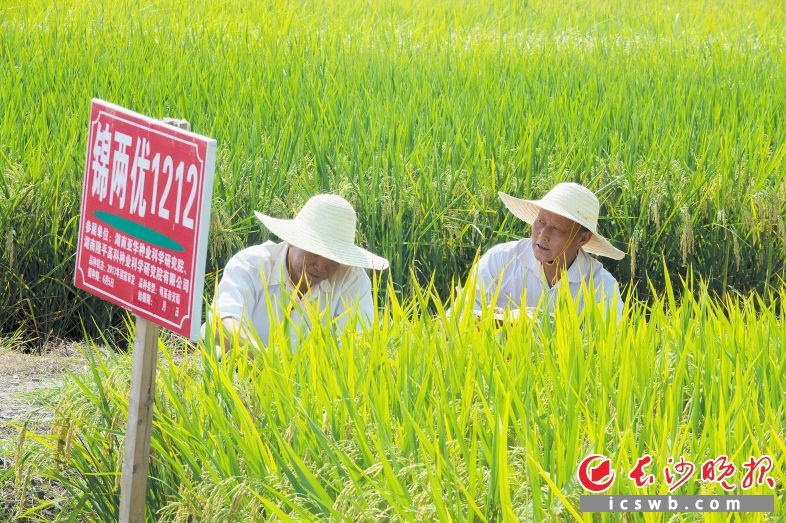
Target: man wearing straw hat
317	262
564	234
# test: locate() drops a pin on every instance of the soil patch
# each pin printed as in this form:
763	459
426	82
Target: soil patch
26	379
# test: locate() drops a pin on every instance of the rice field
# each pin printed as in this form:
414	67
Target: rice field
418	113
425	418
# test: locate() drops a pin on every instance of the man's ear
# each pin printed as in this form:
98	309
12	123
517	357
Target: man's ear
584	237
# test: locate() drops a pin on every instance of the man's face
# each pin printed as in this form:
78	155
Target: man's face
309	269
555	237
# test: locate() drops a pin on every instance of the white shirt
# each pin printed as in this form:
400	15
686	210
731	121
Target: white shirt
520	277
259	273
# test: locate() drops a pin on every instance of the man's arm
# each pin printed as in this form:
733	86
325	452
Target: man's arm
609	295
228	328
233	301
487	275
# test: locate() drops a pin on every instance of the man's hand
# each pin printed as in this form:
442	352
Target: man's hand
225	335
502	316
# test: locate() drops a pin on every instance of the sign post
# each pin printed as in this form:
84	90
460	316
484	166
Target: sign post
143	231
136	456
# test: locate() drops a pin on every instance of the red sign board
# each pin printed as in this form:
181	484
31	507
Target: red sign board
145	216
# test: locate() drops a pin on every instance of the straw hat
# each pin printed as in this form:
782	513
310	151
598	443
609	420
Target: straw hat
572	201
325	226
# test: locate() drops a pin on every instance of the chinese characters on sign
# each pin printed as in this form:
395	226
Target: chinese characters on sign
144	217
153	271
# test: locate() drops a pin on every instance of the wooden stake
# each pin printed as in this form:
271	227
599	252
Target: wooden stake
136	455
136	458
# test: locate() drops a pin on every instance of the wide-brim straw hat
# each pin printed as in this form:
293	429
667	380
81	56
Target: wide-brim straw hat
325	226
572	201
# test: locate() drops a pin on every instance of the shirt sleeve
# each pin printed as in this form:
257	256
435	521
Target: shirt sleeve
238	288
609	293
617	302
488	273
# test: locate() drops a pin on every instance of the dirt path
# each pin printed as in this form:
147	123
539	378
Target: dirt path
24	378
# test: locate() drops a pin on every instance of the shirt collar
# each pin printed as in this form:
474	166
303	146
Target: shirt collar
279	275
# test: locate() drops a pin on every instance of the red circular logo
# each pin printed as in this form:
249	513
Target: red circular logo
593	478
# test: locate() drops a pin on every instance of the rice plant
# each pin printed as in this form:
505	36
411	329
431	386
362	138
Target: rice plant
428	417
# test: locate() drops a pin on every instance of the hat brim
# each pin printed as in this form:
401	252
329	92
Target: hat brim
527	211
297	234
